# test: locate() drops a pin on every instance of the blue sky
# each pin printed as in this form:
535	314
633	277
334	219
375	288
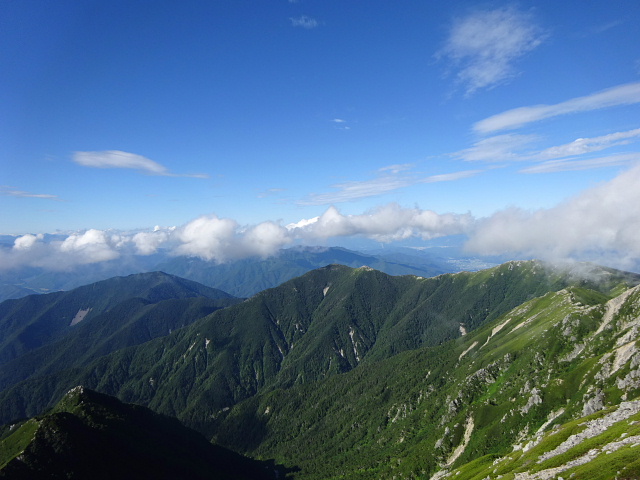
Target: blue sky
234	127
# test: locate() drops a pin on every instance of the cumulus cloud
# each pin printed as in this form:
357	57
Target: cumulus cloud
484	46
388	223
221	239
602	223
627	94
119	159
147	243
92	246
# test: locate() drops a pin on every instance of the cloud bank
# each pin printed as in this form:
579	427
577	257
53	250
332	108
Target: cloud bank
601	224
222	239
484	46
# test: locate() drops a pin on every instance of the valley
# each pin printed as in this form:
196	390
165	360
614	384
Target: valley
352	373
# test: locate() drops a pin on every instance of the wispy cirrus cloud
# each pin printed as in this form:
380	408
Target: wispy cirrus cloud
583	146
514	147
387	180
627	94
14	192
499	148
120	159
566	165
484	46
304	21
341	123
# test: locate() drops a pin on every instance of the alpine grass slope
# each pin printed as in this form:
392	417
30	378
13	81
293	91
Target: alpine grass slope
550	389
521	371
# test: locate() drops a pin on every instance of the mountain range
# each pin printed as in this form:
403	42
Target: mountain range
242	278
352	373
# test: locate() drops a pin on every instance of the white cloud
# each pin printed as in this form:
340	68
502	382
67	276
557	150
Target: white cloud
620	95
208	237
387	180
584	164
119	159
387	223
26	242
583	146
264	240
498	148
519	148
13	192
147	243
450	177
349	191
484	46
341	124
601	224
221	239
90	247
304	21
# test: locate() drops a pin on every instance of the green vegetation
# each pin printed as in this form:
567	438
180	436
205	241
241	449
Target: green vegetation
353	374
89	435
117	313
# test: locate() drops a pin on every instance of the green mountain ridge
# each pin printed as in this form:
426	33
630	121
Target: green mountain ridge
90	435
242	278
351	373
47	333
523	381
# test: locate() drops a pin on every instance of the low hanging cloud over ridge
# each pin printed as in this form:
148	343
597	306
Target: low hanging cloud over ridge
600	224
221	239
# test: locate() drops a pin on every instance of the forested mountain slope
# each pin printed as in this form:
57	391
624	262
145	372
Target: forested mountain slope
324	323
549	389
90	435
242	278
42	334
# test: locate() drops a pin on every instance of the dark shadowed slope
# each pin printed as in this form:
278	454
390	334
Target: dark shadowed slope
90	435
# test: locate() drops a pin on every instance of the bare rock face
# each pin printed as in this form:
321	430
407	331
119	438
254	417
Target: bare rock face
594	404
